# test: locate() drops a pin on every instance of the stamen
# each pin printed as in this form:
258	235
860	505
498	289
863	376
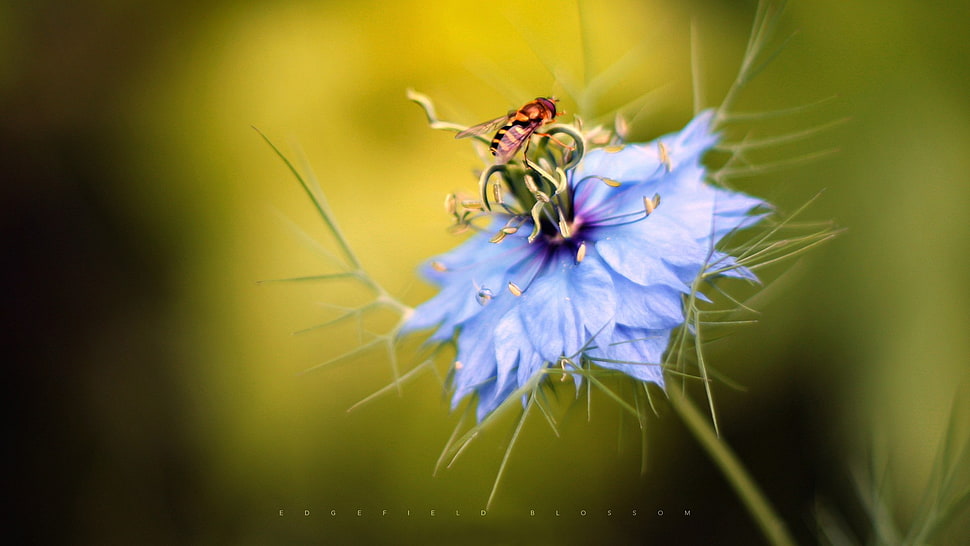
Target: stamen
664	156
511	227
581	252
638	217
472	204
536	221
562	181
439	267
514	289
562	364
450	207
483	182
649	205
608	181
530	183
621	126
564	228
459	365
484	296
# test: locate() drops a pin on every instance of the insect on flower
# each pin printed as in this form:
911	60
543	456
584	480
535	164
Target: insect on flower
518	126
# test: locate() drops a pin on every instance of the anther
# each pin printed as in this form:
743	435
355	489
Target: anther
564	228
484	296
497	193
562	364
664	156
530	183
621	127
514	289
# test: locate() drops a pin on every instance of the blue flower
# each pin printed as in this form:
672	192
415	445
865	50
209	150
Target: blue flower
587	264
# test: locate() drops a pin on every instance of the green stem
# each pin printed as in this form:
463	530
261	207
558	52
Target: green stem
771	525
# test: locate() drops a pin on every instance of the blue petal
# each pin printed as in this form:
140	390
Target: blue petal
568	304
631	164
704	209
637	163
513	343
642	251
476	349
689	144
637	352
653	307
471	267
477	366
729	267
512	348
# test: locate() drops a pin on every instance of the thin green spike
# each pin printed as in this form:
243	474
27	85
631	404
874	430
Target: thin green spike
411	374
508	452
344	356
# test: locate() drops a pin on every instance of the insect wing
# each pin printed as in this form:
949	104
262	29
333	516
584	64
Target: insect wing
516	134
485	127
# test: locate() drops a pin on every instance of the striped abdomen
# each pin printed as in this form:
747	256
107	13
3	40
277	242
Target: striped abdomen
510	138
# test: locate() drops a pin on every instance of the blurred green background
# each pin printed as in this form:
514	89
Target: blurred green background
156	388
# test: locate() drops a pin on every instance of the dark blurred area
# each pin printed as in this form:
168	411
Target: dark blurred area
100	448
134	424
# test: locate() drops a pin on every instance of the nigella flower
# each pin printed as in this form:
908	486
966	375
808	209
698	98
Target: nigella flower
586	263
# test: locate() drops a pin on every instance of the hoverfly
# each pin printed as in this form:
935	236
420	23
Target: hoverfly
518	126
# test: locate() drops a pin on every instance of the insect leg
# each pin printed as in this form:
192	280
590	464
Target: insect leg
556	140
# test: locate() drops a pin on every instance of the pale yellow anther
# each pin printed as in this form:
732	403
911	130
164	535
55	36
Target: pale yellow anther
497	192
621	126
530	183
564	228
664	156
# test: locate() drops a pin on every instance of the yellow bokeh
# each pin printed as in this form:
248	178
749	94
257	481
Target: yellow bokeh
866	335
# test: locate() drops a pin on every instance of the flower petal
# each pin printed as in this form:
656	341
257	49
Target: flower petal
567	305
643	251
652	307
636	352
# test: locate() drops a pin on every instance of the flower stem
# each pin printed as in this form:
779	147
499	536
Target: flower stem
771	525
